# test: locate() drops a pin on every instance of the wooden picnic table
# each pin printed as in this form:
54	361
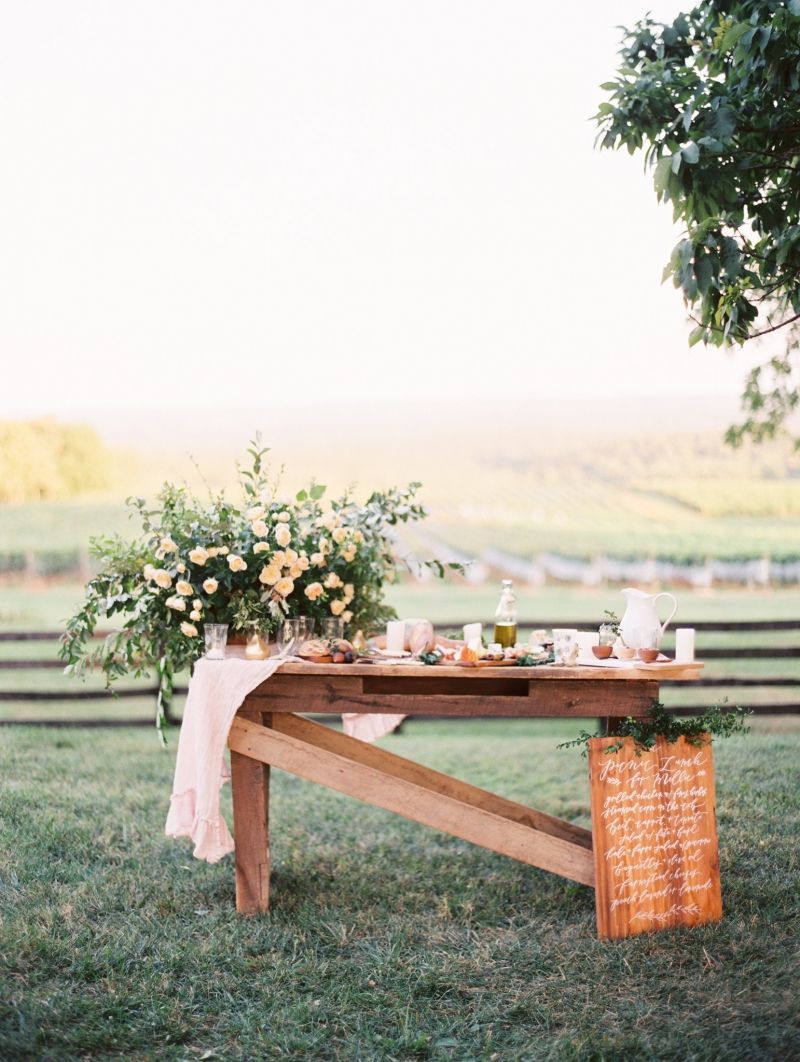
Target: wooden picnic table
269	731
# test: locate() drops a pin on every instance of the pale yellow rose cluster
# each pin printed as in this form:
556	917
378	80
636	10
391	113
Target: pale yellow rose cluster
188	629
314	590
282	569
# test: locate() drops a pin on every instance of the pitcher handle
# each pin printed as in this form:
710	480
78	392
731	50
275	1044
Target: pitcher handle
665	624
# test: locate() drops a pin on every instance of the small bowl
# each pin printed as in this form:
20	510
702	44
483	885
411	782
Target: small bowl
602	652
625	652
647	656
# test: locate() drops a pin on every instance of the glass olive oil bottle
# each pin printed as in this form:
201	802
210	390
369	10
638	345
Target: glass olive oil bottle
505	617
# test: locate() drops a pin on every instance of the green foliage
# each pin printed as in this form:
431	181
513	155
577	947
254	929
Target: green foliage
713	101
248	565
714	721
41	460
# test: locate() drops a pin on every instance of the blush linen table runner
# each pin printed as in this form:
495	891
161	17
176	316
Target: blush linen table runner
216	691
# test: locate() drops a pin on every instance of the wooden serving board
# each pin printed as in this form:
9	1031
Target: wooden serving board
479	663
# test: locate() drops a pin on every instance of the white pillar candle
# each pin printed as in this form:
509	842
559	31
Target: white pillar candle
684	645
395	636
473	632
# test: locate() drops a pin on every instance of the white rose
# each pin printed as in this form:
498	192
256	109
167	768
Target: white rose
324	545
337	607
183	588
262	547
332	581
283	536
195	615
149	572
318	560
237	563
284	587
259	528
210	585
223	551
313	591
168	545
197	603
162	578
213	551
199	556
256	513
269	575
283	518
181	569
189	629
339	535
177	603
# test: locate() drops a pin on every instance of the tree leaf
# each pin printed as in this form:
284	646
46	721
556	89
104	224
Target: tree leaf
691	153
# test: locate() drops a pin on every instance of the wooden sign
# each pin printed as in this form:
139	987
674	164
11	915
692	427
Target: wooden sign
654	836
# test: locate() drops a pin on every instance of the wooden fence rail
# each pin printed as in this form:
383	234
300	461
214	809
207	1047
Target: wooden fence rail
736	654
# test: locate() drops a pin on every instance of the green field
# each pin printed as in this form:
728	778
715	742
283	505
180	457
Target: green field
386	940
679	495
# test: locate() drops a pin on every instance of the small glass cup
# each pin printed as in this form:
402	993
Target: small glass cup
332	628
215	636
291	634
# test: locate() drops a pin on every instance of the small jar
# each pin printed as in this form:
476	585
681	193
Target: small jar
607	633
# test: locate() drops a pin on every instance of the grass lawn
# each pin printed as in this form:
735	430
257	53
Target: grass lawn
386	940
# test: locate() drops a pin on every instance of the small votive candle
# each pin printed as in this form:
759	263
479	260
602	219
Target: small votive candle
684	645
255	648
395	636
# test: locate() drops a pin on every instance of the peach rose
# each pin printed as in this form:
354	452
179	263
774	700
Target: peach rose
284	587
199	556
262	547
337	607
259	528
183	588
210	585
189	629
333	581
162	578
283	536
176	603
237	563
314	590
269	575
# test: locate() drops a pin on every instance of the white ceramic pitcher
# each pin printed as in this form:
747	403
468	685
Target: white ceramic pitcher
641	617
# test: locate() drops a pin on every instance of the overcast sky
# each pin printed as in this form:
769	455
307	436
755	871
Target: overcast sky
206	203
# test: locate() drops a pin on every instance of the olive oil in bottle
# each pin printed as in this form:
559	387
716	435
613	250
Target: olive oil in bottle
505	617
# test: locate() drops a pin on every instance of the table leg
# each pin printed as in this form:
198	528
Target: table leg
250	784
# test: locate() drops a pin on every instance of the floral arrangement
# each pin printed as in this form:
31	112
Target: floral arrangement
250	565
